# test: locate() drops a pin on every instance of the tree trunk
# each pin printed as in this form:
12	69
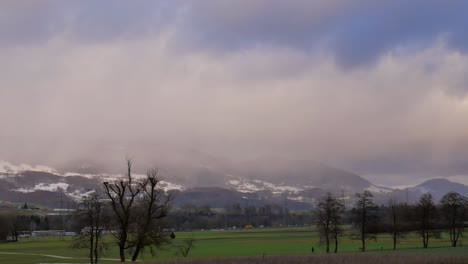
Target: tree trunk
327	240
363	230
122	240
122	252
96	246
136	253
395	231
91	244
336	244
426	239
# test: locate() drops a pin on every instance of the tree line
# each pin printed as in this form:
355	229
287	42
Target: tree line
426	218
192	217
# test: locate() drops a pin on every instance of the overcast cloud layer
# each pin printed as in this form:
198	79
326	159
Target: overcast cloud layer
378	89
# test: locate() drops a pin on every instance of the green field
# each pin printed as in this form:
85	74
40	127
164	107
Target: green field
209	244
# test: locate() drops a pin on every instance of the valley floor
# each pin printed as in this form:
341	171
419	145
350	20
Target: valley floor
268	245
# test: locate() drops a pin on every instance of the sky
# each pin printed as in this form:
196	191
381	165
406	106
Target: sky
378	88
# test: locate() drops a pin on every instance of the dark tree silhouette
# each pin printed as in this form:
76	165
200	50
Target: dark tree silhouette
137	206
426	210
336	216
454	207
152	207
92	219
396	212
122	195
330	210
363	204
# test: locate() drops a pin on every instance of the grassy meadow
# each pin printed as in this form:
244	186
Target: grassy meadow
254	243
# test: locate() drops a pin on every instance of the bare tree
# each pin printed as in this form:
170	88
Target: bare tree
363	205
425	209
330	210
14	227
336	217
123	194
454	207
185	247
324	220
137	205
92	218
152	207
396	213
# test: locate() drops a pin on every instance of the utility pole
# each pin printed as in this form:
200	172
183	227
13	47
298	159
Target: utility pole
225	219
407	196
246	209
285	209
62	219
343	198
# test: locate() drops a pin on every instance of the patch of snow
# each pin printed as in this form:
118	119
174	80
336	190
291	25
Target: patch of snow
377	189
298	198
287	189
52	187
87	175
77	195
167	186
278	188
23	190
138	176
234	182
246	185
7	167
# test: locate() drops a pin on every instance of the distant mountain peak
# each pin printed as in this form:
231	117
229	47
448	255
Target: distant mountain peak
438	187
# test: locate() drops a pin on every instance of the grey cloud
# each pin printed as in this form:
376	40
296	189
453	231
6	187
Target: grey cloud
237	81
30	22
71	99
356	32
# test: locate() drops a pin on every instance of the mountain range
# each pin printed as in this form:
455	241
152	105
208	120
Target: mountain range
297	183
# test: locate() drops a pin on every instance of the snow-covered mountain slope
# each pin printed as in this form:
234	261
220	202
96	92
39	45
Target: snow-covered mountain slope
248	185
253	177
379	189
11	171
301	174
42	184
